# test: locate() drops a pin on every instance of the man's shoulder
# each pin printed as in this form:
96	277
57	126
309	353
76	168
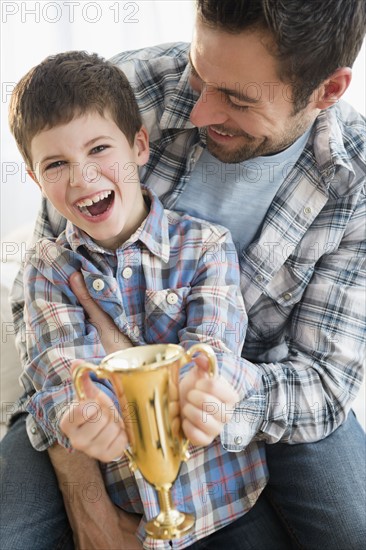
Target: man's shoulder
338	142
168	49
157	76
352	125
156	60
351	121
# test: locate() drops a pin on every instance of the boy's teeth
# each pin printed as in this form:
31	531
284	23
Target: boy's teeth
96	198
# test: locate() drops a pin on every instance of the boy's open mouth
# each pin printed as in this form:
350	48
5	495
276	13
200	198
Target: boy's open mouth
96	205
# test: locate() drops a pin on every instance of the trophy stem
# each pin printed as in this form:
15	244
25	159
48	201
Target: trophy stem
169	523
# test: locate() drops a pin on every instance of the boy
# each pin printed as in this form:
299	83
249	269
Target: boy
160	275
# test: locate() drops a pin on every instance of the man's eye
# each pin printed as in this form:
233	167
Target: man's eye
236	103
99	149
56	164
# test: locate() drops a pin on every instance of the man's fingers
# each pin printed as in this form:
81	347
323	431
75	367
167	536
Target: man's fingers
95	313
111	338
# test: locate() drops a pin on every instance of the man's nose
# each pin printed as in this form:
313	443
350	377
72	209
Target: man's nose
81	175
210	108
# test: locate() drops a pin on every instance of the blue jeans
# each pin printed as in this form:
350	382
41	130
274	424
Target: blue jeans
315	498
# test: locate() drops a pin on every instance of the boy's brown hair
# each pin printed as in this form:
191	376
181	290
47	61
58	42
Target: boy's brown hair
68	85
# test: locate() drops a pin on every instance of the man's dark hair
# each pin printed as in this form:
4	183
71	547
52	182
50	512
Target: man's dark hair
68	85
310	38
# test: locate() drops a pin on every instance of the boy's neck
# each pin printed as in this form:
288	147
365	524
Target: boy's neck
119	240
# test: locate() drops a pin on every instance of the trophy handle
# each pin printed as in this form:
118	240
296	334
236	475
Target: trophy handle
77	376
210	354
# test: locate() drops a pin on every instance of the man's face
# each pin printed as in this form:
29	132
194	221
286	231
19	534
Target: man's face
246	109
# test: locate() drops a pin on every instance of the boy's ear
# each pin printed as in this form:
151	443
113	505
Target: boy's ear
142	144
32	175
333	88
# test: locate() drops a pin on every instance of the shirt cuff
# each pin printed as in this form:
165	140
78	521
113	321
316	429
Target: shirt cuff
245	424
46	408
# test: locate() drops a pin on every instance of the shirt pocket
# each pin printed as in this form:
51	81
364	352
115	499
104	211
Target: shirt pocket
165	314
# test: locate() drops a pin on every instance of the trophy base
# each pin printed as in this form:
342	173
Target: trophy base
166	530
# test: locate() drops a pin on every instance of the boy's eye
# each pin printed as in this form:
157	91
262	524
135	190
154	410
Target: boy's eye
99	149
56	164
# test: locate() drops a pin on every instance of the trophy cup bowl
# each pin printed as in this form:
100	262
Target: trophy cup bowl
145	380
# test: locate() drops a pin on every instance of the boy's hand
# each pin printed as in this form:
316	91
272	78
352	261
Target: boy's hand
207	403
93	425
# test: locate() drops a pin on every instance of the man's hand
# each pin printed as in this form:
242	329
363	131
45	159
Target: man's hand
96	522
94	425
207	403
111	338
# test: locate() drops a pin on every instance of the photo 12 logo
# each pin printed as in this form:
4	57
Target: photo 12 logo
53	12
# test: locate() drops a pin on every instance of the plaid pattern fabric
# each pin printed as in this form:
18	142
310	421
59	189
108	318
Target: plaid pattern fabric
170	255
302	279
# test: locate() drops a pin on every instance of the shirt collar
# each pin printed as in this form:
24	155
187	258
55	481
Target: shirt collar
153	232
329	148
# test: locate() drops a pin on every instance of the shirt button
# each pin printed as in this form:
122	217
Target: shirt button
238	440
98	284
33	430
172	298
127	273
307	210
287	296
259	278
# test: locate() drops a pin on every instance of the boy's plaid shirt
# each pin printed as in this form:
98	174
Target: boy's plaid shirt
302	280
170	256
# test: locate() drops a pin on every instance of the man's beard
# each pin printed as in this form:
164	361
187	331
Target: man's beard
256	147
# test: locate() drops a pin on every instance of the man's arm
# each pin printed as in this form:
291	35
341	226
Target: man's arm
307	392
95	521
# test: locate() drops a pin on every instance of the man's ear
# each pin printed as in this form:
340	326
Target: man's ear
333	88
142	145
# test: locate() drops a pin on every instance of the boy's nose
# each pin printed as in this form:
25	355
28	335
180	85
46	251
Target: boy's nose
210	108
81	175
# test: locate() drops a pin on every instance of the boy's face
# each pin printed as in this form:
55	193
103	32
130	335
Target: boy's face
88	171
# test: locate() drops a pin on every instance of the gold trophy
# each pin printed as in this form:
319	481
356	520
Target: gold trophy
145	379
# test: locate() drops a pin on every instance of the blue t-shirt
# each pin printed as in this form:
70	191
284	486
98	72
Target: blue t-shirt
237	196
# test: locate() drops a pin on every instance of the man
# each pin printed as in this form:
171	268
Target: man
280	161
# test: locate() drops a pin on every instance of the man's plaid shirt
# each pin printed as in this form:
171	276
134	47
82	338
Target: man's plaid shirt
302	279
